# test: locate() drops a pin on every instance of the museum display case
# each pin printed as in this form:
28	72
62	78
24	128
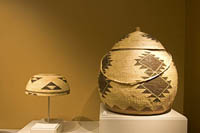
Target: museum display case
123	79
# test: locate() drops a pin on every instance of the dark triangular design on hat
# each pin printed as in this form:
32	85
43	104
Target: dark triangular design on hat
47	87
38	78
163	64
166	91
32	80
156	100
51	84
162	60
146	109
35	79
63	79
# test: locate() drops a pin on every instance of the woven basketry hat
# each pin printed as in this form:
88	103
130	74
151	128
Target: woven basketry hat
47	85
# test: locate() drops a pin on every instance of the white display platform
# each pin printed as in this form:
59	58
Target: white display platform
46	128
171	122
8	130
69	127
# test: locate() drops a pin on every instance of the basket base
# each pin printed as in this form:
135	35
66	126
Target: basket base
132	112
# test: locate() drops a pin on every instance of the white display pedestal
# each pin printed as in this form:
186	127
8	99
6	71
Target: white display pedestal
171	122
39	126
46	128
69	127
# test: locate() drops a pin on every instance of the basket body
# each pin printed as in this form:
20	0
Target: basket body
138	76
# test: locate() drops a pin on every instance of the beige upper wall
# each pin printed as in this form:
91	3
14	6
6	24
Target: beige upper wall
70	37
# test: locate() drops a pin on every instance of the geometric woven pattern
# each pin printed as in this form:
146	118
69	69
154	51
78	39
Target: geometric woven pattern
152	64
104	85
137	76
106	62
130	108
158	83
33	79
51	86
155	87
149	37
63	79
47	85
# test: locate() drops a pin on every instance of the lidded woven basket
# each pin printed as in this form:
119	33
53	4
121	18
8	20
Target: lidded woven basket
137	76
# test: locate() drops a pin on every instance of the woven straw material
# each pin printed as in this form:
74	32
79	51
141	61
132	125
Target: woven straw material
138	40
47	85
138	78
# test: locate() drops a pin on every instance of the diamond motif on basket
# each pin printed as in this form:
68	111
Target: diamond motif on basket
158	87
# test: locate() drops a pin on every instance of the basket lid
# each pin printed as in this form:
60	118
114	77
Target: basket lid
134	66
135	59
138	40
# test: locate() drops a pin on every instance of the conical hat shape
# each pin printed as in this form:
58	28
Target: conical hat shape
135	59
138	40
47	85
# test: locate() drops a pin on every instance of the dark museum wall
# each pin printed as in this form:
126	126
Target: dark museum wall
70	37
192	66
